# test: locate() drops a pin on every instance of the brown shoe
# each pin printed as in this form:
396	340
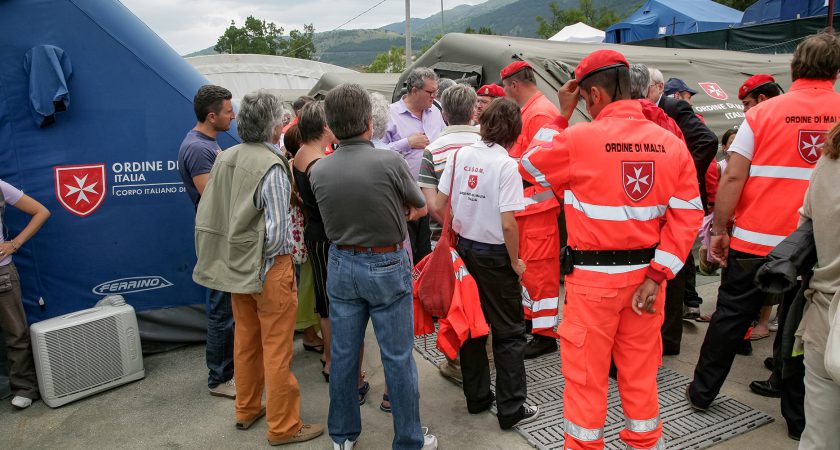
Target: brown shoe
245	424
307	432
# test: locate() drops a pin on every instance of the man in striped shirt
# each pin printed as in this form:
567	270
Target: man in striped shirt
458	104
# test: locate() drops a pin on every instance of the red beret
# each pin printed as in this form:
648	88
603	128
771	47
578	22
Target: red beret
754	82
491	90
514	67
597	61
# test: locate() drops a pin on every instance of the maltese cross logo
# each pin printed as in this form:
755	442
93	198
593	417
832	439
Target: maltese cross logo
80	189
714	90
637	178
811	144
472	181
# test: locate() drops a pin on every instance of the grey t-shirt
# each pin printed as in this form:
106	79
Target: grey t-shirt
196	157
362	193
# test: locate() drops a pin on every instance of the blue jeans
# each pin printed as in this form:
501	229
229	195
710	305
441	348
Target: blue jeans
219	337
375	286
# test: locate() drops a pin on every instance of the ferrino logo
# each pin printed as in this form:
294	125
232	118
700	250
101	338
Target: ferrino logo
133	284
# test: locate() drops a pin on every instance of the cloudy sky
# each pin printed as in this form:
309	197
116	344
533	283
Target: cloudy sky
192	25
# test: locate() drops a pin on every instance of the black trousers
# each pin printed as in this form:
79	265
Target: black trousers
739	301
501	302
692	298
420	236
792	384
672	327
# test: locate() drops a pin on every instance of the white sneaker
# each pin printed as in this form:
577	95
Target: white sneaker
774	324
347	445
21	402
226	389
531	414
429	442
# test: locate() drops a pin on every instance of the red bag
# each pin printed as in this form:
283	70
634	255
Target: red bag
435	277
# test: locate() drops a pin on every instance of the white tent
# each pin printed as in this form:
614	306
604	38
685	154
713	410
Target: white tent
579	32
242	74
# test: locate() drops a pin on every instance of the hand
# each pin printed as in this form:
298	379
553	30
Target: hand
413	214
645	297
518	267
568	97
418	140
719	248
7	249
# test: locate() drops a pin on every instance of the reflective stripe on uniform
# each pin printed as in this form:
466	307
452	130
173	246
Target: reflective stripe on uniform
544	304
614	213
668	260
641	426
678	203
543	322
790	173
754	237
539	177
539	197
545	134
660	445
582	434
612	269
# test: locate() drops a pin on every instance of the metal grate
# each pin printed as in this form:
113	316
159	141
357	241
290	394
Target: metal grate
84	356
683	427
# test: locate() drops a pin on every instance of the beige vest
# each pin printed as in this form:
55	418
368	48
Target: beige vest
229	229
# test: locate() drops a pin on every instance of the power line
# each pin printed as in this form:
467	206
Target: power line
338	27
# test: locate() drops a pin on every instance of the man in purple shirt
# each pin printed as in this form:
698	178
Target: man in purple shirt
415	123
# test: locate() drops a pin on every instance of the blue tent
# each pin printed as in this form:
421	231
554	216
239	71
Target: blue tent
764	11
93	107
657	18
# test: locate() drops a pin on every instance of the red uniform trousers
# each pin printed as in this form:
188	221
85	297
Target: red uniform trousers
599	323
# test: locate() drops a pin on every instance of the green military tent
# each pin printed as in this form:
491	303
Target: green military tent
383	83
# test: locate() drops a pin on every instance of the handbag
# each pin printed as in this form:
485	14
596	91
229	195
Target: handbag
436	277
832	344
299	253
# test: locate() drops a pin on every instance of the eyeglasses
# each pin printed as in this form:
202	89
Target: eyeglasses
432	93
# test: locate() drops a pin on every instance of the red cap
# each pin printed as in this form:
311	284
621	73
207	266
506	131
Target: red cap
491	90
598	61
753	83
514	67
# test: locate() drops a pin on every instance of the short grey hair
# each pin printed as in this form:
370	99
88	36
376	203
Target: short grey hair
639	80
381	112
656	76
459	104
444	84
348	110
417	78
259	113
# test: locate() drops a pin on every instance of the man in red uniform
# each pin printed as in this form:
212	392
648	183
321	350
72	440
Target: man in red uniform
486	94
537	111
632	209
770	164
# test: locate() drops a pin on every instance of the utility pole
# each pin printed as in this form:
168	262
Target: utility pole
441	18
407	33
831	16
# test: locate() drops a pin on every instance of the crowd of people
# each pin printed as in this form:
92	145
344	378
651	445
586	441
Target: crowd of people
315	223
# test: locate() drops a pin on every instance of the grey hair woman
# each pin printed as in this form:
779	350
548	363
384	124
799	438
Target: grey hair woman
259	114
381	112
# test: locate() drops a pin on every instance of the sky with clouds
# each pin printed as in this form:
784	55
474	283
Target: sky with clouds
192	25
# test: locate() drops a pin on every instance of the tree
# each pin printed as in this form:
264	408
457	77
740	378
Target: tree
481	30
587	13
736	4
392	61
266	38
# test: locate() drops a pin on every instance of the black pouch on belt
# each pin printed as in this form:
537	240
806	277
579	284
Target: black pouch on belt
567	260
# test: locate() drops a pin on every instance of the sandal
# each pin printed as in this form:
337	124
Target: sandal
758	337
363	392
704	318
317	348
382	407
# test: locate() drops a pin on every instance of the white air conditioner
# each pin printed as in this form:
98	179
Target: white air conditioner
85	352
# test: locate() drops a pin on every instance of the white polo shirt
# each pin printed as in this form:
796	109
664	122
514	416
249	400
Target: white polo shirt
487	183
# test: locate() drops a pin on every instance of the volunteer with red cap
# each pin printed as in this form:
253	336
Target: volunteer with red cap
486	94
764	184
520	84
758	88
632	210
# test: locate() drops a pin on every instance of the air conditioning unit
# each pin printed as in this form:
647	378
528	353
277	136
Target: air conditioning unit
86	352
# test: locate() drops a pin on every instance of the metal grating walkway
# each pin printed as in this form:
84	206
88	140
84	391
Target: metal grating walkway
683	427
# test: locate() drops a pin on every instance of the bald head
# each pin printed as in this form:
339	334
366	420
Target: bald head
657	85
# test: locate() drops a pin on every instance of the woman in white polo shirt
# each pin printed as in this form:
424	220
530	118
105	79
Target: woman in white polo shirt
486	190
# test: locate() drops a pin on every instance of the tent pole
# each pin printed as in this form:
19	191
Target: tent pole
407	33
831	16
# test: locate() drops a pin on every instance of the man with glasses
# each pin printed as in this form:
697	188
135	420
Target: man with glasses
415	122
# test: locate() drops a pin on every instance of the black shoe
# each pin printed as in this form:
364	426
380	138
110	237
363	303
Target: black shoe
795	437
485	406
769	363
695	406
745	349
765	389
670	352
540	345
691	313
529	414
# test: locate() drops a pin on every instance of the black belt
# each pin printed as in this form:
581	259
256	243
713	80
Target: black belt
573	258
481	246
